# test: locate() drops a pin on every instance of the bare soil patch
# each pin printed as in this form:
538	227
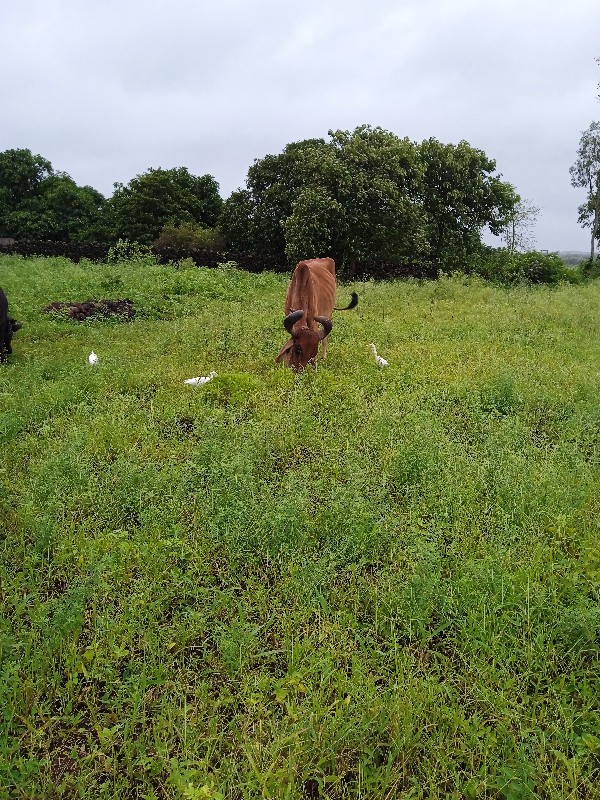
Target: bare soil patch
93	308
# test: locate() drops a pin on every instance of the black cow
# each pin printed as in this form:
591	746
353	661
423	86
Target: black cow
8	326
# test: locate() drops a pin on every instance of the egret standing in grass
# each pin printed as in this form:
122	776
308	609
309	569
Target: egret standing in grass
200	379
381	362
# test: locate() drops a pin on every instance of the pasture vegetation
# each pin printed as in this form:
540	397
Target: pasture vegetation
348	583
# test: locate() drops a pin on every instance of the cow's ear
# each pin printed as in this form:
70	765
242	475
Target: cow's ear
285	351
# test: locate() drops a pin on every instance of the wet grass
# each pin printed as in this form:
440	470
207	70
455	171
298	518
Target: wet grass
350	583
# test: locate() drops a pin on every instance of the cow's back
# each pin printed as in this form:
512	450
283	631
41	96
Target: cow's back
312	289
3	312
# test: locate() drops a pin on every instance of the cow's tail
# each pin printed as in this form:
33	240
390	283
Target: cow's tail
353	303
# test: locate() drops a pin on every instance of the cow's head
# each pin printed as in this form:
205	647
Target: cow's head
304	344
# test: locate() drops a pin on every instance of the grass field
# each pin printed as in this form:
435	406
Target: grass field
354	582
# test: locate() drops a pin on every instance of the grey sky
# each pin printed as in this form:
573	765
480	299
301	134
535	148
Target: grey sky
107	89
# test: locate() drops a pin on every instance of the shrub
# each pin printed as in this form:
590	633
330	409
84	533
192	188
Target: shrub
590	268
504	266
538	267
190	236
133	252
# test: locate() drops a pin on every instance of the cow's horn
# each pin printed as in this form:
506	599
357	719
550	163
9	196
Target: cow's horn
327	325
292	319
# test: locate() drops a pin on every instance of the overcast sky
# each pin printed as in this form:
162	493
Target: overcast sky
107	89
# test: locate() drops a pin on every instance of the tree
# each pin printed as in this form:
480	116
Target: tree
461	197
351	197
312	225
518	232
38	203
378	180
21	175
237	222
253	218
140	210
585	174
60	211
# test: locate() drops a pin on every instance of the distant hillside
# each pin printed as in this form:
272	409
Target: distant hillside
572	257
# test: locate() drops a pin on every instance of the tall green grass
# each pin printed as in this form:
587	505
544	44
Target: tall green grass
352	582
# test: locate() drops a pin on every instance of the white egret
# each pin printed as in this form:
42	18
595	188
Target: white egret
380	361
200	379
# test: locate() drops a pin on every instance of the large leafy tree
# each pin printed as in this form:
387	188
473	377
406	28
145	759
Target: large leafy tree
139	210
366	190
253	218
352	197
60	211
585	174
21	176
38	203
462	196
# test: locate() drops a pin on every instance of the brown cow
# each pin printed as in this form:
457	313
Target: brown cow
309	303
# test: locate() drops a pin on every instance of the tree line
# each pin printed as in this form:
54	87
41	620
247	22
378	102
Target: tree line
360	196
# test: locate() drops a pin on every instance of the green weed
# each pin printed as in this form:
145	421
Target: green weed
354	582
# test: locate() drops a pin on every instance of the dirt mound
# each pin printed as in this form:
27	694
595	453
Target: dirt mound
93	308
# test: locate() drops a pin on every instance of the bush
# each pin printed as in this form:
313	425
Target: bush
133	252
504	266
590	267
190	236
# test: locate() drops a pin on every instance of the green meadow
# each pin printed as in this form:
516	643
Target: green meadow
350	583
